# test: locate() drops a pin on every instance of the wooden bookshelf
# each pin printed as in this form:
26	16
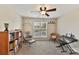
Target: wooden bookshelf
4	45
9	42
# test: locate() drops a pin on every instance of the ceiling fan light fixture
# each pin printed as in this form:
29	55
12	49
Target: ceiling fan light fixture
43	12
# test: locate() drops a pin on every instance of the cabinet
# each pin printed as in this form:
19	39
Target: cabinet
9	42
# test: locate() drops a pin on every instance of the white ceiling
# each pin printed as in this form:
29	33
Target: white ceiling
62	9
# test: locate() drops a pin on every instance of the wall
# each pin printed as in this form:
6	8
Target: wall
69	23
8	15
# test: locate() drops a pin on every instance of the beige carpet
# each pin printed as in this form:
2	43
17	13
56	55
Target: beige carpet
41	48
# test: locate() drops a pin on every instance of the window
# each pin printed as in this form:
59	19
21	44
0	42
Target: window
39	29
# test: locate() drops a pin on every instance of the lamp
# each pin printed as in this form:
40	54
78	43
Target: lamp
43	12
6	26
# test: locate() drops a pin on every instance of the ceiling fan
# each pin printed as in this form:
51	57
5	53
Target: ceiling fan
43	10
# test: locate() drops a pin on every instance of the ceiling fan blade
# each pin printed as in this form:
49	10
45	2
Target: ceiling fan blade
46	14
54	9
41	9
44	8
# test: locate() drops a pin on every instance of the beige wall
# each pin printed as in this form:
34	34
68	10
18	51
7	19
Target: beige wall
8	15
51	28
27	25
69	23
